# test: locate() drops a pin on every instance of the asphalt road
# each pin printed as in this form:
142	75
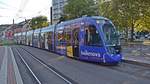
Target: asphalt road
25	73
44	75
83	72
136	52
75	71
2	50
9	72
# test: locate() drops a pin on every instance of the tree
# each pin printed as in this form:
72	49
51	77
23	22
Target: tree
127	14
78	8
143	24
39	22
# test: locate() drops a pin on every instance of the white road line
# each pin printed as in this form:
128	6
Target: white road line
53	71
17	73
29	68
3	71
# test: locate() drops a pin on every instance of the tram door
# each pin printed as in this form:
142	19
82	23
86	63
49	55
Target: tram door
42	41
48	41
75	44
72	40
68	38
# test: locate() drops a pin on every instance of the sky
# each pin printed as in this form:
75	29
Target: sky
19	10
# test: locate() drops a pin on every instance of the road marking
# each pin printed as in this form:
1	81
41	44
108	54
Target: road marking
3	71
68	82
46	66
17	73
2	50
38	81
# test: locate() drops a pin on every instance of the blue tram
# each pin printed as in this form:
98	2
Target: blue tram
92	39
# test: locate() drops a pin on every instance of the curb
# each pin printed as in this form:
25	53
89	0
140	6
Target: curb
16	69
136	62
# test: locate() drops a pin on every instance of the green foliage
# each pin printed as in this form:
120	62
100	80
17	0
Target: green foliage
78	8
143	24
39	22
127	14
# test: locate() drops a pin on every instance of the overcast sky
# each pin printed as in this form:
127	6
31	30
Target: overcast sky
21	9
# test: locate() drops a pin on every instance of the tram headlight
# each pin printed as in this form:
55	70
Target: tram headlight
111	50
118	49
114	49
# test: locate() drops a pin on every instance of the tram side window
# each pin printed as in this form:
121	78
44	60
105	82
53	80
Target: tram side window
35	36
68	35
92	37
60	37
75	33
49	38
42	37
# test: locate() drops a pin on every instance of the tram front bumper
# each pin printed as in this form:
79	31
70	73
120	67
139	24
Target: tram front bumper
116	58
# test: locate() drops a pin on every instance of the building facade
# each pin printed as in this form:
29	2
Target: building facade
57	8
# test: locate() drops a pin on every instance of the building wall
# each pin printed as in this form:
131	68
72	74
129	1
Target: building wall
58	6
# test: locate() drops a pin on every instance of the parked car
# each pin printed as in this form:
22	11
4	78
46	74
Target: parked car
148	37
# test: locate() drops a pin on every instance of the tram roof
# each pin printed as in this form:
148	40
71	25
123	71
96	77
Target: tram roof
30	31
50	27
37	30
83	18
47	29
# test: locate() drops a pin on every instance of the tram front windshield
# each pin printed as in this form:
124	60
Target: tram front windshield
110	35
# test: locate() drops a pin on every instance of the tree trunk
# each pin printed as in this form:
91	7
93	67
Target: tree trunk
126	34
132	32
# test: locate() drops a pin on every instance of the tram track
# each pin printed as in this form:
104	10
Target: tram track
25	73
48	67
130	68
135	71
32	73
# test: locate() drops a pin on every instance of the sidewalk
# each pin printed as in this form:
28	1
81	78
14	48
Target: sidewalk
139	53
9	72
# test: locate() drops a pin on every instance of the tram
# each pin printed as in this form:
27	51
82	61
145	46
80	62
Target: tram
92	39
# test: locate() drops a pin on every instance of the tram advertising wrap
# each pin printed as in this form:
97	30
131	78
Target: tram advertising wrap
93	39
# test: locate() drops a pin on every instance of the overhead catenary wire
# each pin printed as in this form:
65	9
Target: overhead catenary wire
20	11
8	6
40	11
21	7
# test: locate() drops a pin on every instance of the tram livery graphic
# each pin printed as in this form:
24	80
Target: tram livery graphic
92	39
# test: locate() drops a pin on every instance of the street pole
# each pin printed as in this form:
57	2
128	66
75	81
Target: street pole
13	21
13	28
51	15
